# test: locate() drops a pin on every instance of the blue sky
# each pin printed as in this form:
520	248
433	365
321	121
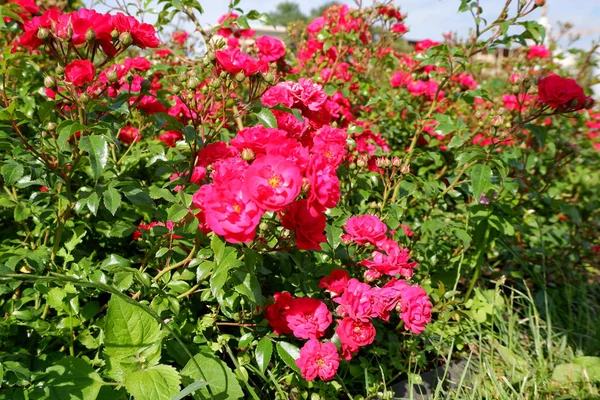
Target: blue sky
431	18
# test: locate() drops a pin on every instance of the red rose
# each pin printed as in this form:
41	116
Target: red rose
354	334
143	35
275	313
336	282
561	93
80	72
234	61
129	135
308	227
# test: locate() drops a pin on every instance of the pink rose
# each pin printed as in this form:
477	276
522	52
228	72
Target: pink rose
318	359
273	182
308	318
365	229
416	309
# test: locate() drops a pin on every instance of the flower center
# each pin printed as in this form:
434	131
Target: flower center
320	362
237	208
274	181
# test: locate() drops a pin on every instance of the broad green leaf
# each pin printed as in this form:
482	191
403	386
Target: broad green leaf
97	148
12	172
266	118
160	382
222	382
131	334
568	373
263	354
481	176
112	200
65	130
176	212
72	378
289	354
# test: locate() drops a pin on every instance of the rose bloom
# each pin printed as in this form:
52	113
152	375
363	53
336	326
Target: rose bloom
354	334
275	313
537	52
336	282
129	135
230	212
233	61
143	35
360	301
270	49
399	28
324	191
80	72
318	359
416	309
425	44
170	138
307	226
364	229
561	93
273	182
308	318
180	36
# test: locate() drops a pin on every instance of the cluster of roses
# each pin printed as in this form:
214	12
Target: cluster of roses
267	169
358	303
335	20
111	32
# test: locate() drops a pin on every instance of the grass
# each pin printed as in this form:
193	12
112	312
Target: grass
514	353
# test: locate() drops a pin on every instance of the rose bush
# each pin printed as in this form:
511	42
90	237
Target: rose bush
257	223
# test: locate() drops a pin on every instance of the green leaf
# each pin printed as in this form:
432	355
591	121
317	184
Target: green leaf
263	354
160	382
73	378
131	334
93	201
334	236
289	354
176	212
568	373
97	148
189	389
266	118
12	172
222	382
65	130
112	200
481	176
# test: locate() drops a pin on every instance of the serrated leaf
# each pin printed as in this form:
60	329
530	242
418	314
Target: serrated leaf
481	177
112	200
97	148
160	382
72	378
131	333
221	380
266	118
12	172
263	353
289	354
